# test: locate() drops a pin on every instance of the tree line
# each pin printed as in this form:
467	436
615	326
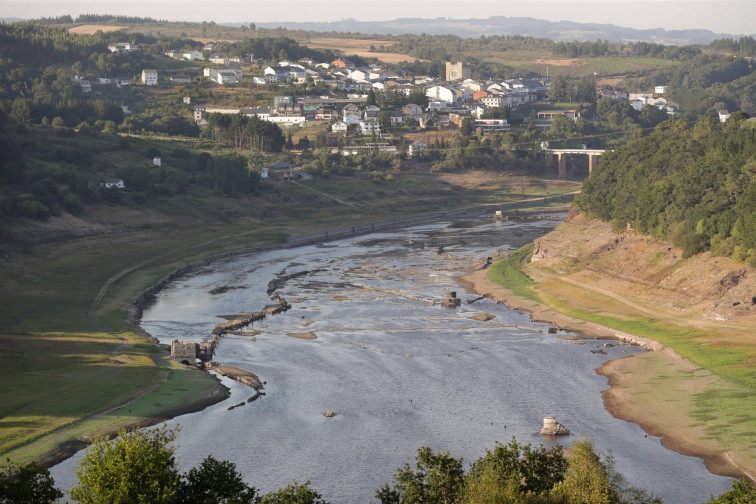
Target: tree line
692	185
140	466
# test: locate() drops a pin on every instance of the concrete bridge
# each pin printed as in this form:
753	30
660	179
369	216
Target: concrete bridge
559	158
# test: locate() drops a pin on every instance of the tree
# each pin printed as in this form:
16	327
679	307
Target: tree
586	90
560	89
370	98
384	120
294	494
215	482
467	127
26	484
536	470
137	467
743	492
437	478
585	481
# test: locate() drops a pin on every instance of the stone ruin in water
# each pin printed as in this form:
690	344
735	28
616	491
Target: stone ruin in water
553	428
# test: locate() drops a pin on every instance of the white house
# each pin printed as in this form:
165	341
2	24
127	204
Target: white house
492	100
157	161
226	77
122	47
263	113
339	127
417	149
358	75
149	77
412	110
370	126
440	93
660	89
193	56
219	59
86	86
276	74
287	120
723	115
351	119
396	117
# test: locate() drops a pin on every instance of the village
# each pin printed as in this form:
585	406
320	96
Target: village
348	105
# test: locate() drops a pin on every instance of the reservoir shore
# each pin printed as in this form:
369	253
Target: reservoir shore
627	377
621	373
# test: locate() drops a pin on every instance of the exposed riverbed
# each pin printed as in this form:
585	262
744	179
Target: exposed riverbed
399	372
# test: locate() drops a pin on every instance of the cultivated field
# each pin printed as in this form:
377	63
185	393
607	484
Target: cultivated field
359	47
90	29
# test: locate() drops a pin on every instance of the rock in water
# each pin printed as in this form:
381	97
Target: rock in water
553	428
329	414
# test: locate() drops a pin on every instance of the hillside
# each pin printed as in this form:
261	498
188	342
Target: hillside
502	25
697	389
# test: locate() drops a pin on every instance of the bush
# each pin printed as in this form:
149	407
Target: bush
72	203
33	209
27	483
151	153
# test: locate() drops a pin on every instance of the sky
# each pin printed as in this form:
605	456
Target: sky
735	17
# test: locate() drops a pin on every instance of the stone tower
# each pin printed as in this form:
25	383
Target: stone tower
457	71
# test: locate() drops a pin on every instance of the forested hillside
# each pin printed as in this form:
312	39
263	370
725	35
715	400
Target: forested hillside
693	185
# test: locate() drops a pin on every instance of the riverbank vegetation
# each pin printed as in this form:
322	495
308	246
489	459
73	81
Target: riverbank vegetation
693	186
141	466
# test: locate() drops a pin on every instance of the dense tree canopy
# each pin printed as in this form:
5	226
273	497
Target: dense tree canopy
693	185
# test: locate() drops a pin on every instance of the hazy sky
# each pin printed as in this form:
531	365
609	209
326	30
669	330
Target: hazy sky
727	16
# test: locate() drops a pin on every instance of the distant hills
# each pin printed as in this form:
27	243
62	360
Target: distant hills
565	31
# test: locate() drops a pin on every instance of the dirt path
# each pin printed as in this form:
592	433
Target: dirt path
683	319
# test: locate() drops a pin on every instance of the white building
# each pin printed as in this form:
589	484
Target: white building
492	125
122	47
417	149
339	127
149	77
370	126
440	93
193	56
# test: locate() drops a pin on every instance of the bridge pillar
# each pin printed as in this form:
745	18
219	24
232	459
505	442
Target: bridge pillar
562	165
593	160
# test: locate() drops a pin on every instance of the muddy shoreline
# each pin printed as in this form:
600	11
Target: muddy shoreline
616	401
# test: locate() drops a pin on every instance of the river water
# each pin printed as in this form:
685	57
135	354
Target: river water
399	373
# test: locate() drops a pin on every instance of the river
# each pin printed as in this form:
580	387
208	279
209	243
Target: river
399	373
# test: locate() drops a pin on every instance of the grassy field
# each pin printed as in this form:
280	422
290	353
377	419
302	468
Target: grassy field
360	47
508	272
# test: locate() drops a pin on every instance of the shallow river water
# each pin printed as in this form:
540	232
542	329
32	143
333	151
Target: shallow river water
399	373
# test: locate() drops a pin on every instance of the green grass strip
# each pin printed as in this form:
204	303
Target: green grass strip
508	272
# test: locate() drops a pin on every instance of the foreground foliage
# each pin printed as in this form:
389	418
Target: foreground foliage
516	474
139	467
28	483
